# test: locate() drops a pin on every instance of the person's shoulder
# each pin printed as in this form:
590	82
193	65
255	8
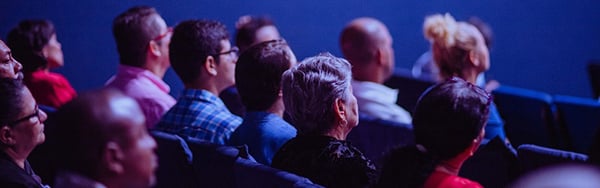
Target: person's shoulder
456	181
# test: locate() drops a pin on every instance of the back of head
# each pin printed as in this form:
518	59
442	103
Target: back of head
192	42
360	40
258	73
451	42
11	98
27	40
448	117
87	124
133	30
310	90
247	27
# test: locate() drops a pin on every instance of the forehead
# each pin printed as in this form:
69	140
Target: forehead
3	48
225	45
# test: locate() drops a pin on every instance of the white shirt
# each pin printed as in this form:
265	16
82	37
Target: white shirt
379	101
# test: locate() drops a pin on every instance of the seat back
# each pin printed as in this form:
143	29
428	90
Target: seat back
593	69
374	137
581	118
251	174
493	164
528	116
214	164
532	157
175	161
409	87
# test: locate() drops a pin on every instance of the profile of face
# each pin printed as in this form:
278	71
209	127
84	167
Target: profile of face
163	40
352	112
481	49
388	49
266	33
53	52
139	159
28	127
9	66
226	66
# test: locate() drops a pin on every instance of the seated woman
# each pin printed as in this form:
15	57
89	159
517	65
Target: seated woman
34	43
448	123
459	50
318	97
21	130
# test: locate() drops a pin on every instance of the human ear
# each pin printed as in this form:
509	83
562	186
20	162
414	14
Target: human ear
6	136
474	58
210	65
113	158
340	110
154	48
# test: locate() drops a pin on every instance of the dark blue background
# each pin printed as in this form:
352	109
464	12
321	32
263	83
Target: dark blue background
542	45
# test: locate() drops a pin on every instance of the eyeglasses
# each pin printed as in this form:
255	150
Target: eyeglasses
35	114
163	35
234	50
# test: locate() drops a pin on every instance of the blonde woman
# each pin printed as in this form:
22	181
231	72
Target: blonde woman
459	50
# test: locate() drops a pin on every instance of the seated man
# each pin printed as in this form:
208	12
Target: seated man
204	60
258	74
103	142
142	38
367	44
10	67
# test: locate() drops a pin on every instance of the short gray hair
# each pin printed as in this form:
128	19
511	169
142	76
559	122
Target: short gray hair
310	90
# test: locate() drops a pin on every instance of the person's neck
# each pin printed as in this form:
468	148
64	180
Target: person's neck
155	68
277	108
18	157
206	85
368	74
337	133
470	75
449	167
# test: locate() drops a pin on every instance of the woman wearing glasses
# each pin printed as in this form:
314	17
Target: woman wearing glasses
21	130
34	44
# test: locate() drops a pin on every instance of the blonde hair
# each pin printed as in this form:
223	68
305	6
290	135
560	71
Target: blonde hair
451	42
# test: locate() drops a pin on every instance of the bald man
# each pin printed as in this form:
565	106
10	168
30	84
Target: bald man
367	44
104	142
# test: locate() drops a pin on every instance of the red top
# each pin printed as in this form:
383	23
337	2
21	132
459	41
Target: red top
444	180
50	89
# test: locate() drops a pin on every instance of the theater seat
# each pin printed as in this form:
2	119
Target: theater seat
528	116
174	160
251	174
581	119
532	157
409	88
374	137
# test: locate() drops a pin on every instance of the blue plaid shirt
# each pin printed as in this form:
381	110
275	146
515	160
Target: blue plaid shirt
200	114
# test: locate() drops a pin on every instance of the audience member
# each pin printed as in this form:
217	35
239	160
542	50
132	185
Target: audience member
21	130
425	67
258	76
367	44
103	142
250	30
448	126
142	38
318	97
459	50
204	60
34	43
9	66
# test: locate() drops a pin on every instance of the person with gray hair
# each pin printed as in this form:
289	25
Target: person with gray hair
318	98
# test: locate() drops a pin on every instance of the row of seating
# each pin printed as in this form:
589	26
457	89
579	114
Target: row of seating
530	116
194	163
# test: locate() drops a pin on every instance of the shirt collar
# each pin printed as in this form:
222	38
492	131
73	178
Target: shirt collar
373	89
126	70
203	95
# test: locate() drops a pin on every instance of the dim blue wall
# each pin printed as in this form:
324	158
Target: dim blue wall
542	45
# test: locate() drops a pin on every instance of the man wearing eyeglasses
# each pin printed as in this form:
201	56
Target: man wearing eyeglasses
204	60
143	38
